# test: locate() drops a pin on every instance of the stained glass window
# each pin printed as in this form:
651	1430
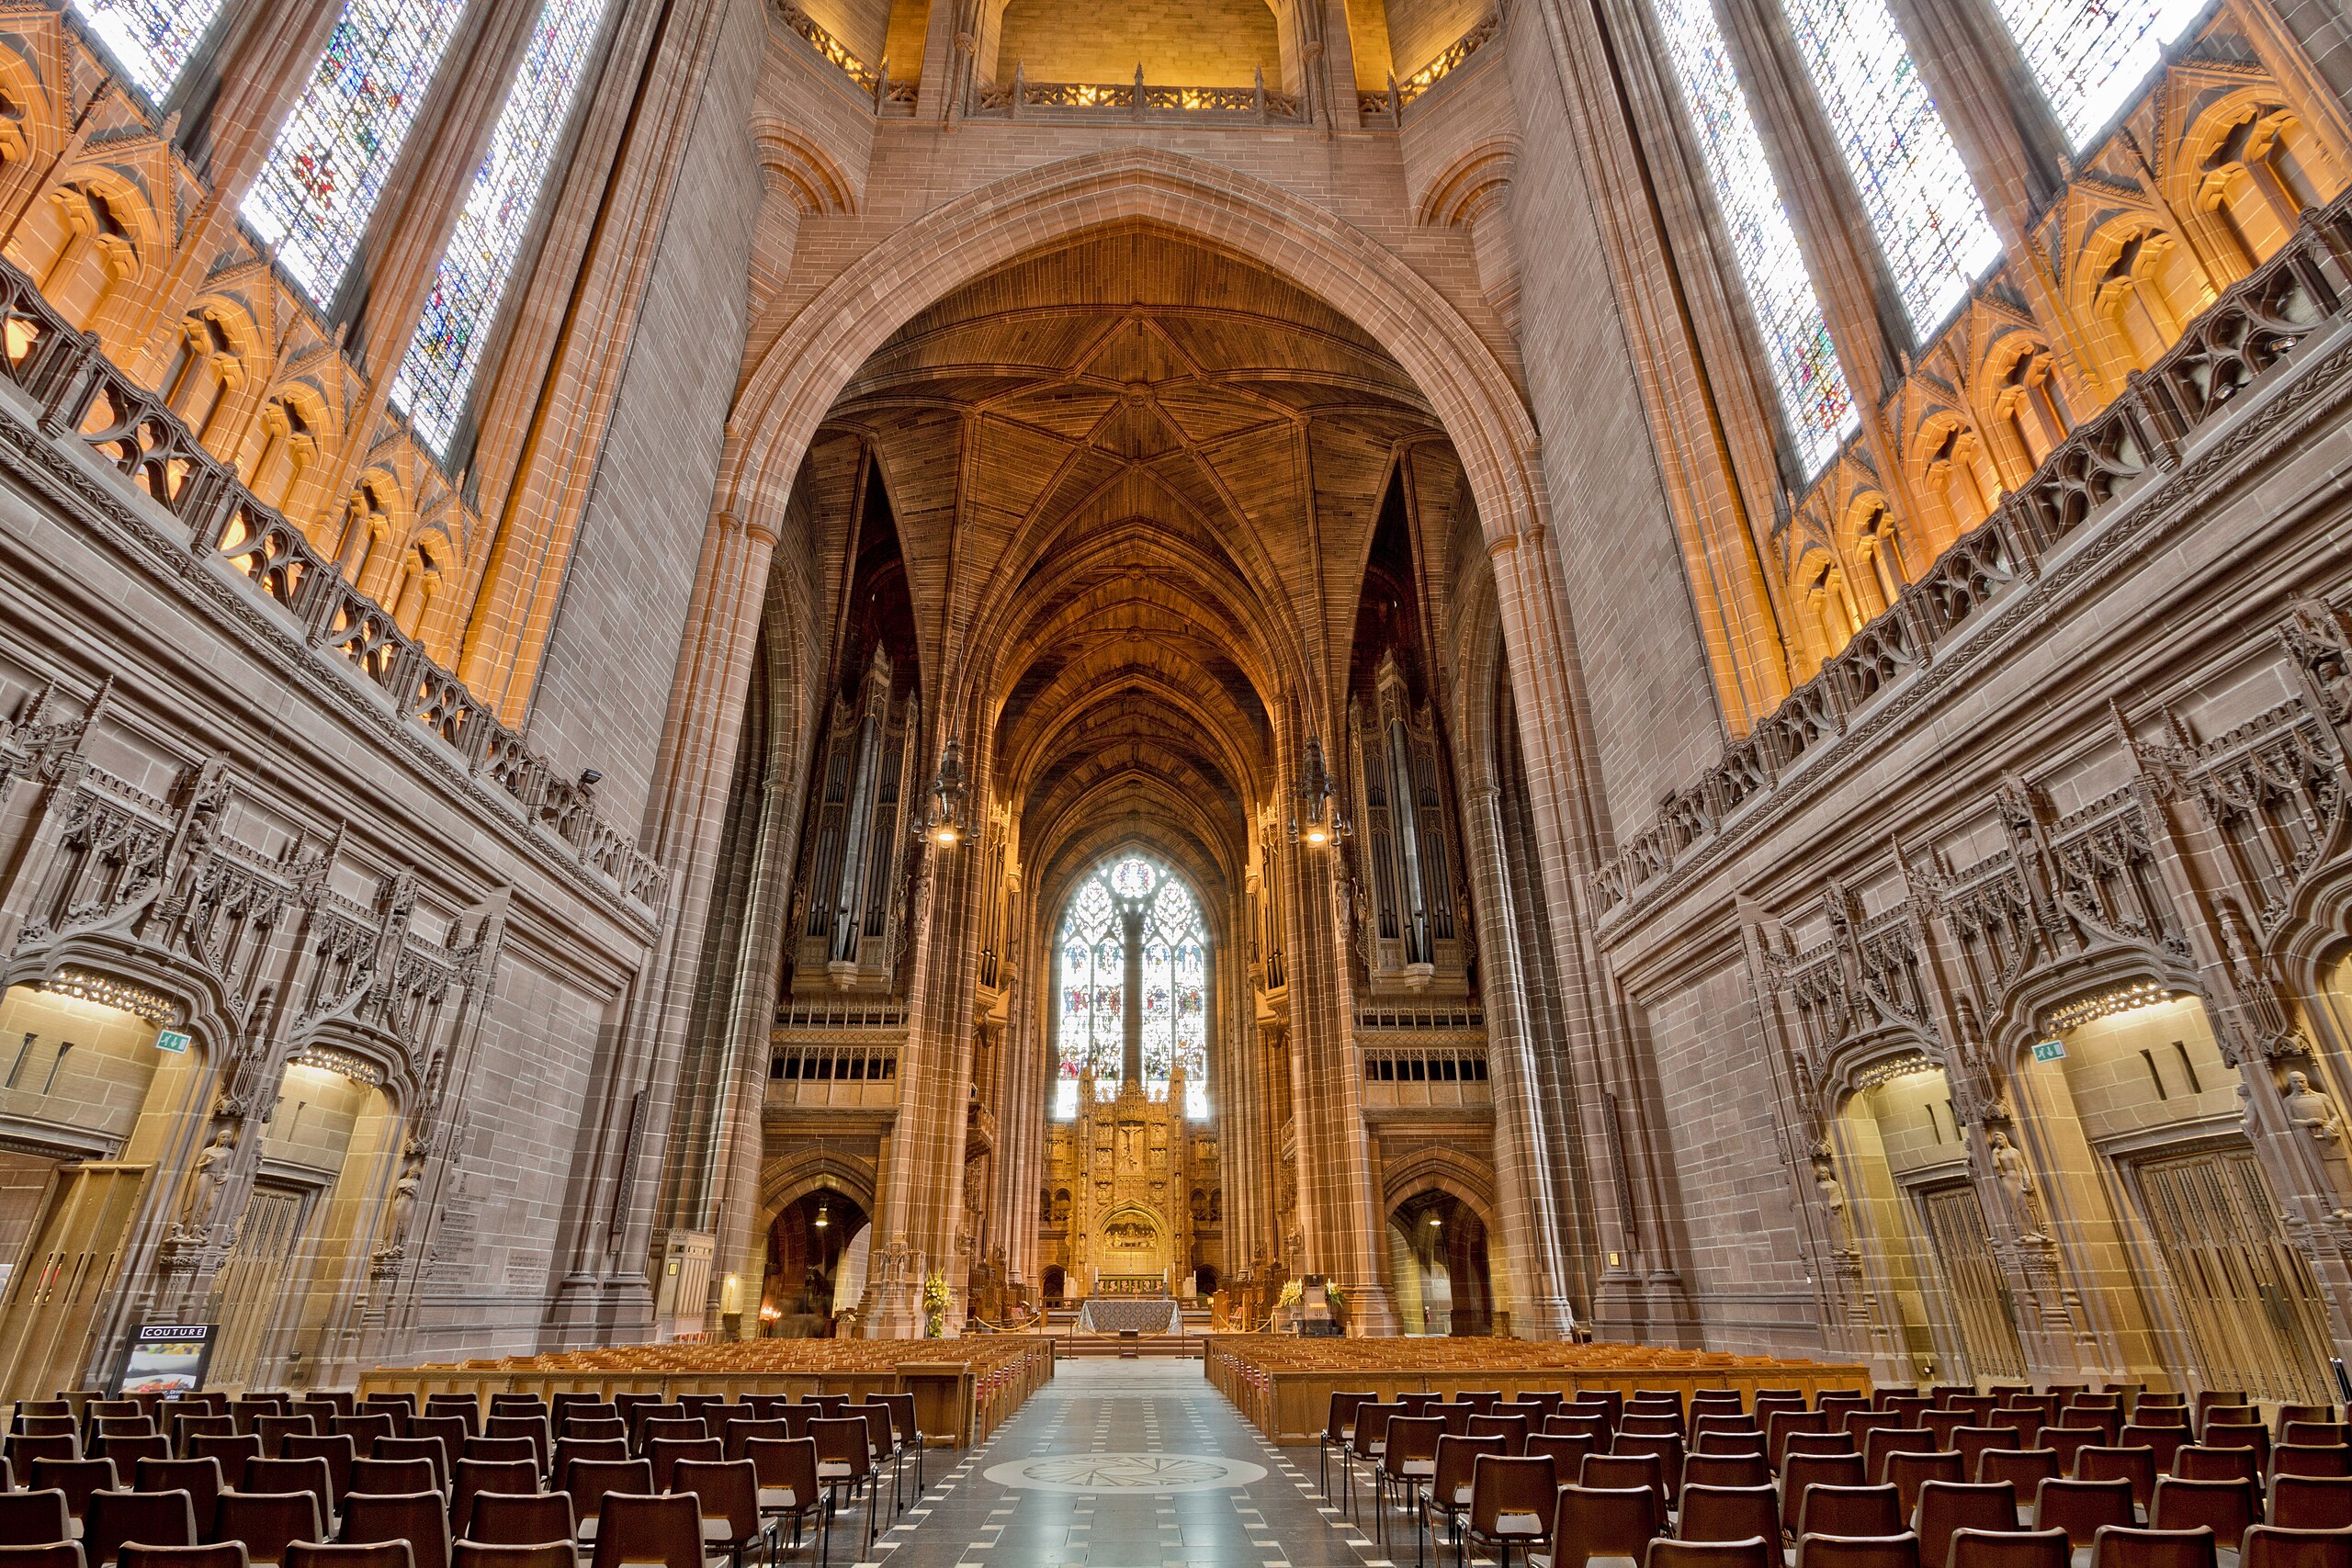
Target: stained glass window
2093	56
151	39
1137	896
471	280
1922	205
337	147
1803	362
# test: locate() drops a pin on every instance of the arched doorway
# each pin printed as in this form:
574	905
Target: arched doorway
1437	1258
816	1265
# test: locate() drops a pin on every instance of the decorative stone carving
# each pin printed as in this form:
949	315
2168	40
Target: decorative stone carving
2016	1177
2312	1114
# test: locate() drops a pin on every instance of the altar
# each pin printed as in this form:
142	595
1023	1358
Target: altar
1130	1316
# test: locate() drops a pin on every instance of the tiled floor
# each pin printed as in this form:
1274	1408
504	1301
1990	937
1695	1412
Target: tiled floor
1126	1464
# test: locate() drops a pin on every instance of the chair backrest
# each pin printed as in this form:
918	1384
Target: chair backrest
532	1430
590	1481
1780	1423
1668	1451
1849	1511
485	1554
2121	1547
638	1528
152	1518
22	1448
2310	1459
275	1427
2011	1548
452	1430
2135	1465
2314	1432
723	1489
2198	1461
2162	1441
665	1453
1800	1444
1370	1431
2270	1546
1588	1522
219	1554
2080	1507
1728	1513
1800	1472
334	1451
1567	1453
1511	1495
310	1475
570	1450
1641	1424
1512	1429
843	1440
1704	1469
1906	1472
463	1406
501	1451
267	1522
1620	1473
78	1478
347	1554
1894	1440
672	1429
419	1518
392	1477
530	1519
1896	1551
2226	1507
476	1475
741	1432
1412	1444
786	1465
2311	1502
30	1518
363	1430
127	1452
1947	1508
61	1424
1754	1552
199	1478
2027	1467
1457	1456
599	1428
429	1450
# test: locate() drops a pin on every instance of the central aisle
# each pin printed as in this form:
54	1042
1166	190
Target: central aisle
1125	1464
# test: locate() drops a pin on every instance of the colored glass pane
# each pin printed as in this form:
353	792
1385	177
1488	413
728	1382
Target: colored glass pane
151	39
1803	362
468	286
328	166
2092	57
1922	205
1173	945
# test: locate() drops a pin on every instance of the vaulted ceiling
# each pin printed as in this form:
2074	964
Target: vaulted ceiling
1135	480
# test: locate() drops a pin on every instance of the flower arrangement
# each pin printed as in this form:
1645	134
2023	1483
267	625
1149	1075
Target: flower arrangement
1291	1292
935	1301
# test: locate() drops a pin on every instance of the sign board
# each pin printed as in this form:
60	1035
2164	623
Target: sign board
168	1359
2049	1050
173	1040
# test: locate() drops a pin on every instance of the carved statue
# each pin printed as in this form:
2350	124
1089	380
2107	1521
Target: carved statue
403	1206
205	1177
2017	1180
2311	1113
1833	1198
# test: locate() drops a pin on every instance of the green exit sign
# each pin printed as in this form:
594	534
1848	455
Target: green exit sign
2049	1050
172	1040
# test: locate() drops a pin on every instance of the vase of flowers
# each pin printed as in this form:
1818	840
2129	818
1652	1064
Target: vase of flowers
935	1301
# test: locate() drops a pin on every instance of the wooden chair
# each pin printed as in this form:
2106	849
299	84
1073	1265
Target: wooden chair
1947	1508
1449	1490
1869	1512
2121	1547
267	1522
419	1518
2268	1546
528	1518
2311	1501
115	1520
1512	1502
786	1473
1898	1550
1589	1523
727	1495
1728	1513
478	1475
2008	1548
2226	1507
640	1528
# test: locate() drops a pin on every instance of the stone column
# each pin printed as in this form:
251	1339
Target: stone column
1525	1200
1337	1209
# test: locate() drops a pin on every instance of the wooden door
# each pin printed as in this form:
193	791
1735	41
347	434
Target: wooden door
51	1306
1981	1305
2250	1305
257	1280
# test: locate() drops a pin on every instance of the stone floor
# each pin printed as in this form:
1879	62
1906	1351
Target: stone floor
1126	1464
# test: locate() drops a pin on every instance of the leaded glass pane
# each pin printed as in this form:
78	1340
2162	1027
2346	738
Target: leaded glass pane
2093	56
151	39
1922	205
471	280
332	157
1093	956
1803	362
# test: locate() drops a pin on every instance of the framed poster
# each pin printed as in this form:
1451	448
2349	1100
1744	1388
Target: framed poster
168	1359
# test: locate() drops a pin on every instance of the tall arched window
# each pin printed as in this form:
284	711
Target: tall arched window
2092	56
1922	205
337	147
151	39
1803	362
471	280
1132	930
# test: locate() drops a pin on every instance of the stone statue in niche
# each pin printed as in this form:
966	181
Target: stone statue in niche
1833	1198
204	1177
2016	1180
2313	1115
